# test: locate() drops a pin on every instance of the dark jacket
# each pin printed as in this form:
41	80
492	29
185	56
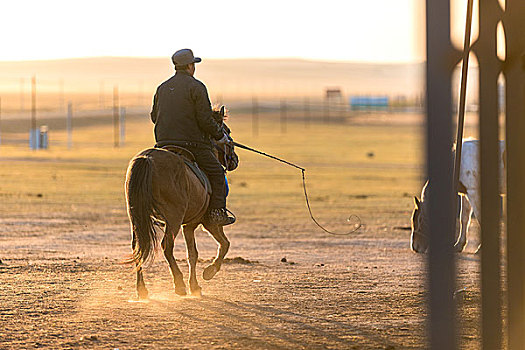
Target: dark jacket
182	112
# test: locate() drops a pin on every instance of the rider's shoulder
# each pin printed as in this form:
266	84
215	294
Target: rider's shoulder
198	82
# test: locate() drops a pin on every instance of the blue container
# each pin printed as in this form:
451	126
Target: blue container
368	102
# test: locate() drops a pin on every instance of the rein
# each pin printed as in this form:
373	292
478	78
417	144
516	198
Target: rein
357	224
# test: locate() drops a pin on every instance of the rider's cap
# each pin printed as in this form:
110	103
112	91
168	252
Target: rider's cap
184	57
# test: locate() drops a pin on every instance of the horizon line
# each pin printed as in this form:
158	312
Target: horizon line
247	58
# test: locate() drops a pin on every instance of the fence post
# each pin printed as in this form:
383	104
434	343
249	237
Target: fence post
0	120
141	94
61	96
116	130
101	101
306	111
255	117
122	126
33	132
283	115
22	92
326	114
69	125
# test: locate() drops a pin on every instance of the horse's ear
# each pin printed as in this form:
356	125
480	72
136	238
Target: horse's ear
222	111
417	203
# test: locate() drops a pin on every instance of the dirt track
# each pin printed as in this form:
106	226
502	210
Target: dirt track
69	291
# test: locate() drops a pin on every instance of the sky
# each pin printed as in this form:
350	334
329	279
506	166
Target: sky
343	30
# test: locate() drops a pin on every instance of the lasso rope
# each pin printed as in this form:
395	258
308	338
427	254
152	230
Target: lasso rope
357	224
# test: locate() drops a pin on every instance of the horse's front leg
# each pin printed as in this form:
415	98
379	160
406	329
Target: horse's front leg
168	243
465	214
475	201
217	233
189	236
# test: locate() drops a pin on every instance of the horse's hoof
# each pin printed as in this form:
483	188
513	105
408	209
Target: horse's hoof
196	291
209	272
180	290
142	293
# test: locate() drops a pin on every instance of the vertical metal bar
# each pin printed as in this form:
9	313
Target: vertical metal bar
115	117
514	70
463	93
490	161
441	264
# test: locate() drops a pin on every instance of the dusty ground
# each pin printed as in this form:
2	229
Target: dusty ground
63	232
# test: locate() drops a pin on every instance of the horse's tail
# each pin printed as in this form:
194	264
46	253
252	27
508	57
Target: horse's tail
141	208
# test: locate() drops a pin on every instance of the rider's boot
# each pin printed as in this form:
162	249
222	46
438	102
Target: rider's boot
219	217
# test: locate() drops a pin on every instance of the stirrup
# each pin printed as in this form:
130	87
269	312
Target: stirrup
220	217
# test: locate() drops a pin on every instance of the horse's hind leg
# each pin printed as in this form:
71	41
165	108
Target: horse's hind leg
168	242
217	233
189	236
142	291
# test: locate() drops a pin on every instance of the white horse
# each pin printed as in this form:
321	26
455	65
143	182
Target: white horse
469	198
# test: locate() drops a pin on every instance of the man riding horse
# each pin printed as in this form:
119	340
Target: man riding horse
182	116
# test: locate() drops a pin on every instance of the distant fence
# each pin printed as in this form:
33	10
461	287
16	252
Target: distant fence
46	103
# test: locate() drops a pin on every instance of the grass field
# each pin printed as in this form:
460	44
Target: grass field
64	229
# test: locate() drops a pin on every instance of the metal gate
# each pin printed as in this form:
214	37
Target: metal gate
441	60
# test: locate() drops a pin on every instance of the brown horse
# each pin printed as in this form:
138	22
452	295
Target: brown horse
162	189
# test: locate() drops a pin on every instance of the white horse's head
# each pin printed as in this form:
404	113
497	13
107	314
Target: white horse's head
420	231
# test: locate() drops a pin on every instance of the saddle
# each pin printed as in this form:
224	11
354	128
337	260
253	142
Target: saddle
189	160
